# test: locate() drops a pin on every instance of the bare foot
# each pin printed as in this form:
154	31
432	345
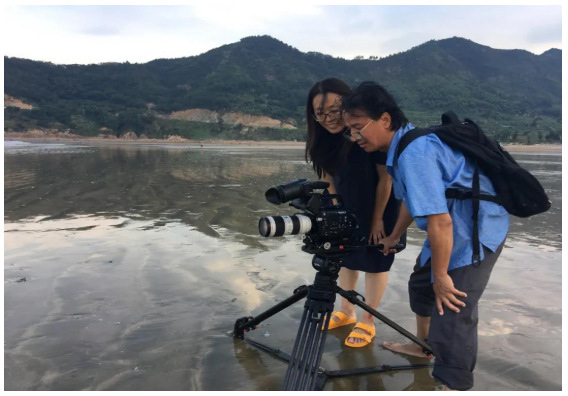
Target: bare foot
406	349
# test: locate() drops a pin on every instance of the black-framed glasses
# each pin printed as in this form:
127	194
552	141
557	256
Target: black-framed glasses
333	115
350	133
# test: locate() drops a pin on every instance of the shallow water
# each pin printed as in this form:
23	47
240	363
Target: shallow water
125	267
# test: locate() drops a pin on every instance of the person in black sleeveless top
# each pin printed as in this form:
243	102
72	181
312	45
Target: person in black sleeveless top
365	187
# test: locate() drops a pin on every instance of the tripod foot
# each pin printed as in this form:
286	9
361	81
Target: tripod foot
239	330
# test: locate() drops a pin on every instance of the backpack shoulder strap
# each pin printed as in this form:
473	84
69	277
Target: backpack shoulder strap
449	118
408	138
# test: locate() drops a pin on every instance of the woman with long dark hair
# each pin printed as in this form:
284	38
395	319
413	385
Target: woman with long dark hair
365	187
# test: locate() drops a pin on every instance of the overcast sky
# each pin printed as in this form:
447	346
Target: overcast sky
94	34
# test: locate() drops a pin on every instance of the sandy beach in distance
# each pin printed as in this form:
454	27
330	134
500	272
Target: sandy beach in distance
519	148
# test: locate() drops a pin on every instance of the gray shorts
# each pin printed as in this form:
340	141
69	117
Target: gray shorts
453	336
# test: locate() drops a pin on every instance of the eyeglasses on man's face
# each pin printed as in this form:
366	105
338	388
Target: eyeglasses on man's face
351	133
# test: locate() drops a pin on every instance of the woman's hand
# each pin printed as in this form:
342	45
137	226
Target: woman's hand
377	231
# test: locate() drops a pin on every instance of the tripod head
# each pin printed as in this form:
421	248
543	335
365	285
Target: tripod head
328	257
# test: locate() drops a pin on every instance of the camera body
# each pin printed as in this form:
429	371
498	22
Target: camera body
332	224
321	220
330	230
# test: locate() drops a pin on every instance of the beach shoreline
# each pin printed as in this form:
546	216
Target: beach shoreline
518	148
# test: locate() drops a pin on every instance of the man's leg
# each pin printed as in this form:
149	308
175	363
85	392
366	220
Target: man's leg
422	328
453	336
422	302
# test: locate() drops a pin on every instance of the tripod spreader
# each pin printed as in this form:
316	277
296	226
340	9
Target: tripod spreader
352	297
249	323
304	372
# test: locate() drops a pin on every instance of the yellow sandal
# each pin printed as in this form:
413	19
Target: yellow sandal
366	337
343	320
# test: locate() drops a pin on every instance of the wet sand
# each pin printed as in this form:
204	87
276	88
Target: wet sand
137	260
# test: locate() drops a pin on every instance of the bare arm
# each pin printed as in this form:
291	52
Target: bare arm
326	177
440	233
383	192
382	196
402	223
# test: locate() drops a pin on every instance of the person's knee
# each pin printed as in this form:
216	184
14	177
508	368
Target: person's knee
420	304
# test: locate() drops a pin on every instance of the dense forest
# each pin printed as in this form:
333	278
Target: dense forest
513	94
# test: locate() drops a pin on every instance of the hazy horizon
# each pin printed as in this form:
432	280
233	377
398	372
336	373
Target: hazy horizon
139	34
338	57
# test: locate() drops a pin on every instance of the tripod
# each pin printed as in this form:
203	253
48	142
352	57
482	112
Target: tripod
304	372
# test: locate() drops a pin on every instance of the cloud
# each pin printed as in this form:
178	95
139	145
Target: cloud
546	34
260	16
143	33
101	30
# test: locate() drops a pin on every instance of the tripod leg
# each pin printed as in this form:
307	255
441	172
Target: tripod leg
310	341
313	344
302	329
352	298
308	357
250	323
319	345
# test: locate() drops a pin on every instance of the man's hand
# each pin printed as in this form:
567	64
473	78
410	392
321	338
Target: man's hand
388	244
446	294
377	231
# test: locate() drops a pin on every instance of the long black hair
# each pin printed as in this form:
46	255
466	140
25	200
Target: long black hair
325	150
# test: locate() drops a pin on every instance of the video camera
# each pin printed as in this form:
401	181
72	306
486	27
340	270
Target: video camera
330	230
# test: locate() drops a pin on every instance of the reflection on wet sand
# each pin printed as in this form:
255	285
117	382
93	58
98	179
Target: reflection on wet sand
138	260
128	299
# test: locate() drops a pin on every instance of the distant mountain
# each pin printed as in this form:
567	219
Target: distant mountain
513	94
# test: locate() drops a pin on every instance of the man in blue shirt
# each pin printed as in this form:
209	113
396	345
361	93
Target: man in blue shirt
446	284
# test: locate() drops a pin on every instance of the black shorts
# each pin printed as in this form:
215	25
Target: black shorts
370	260
453	336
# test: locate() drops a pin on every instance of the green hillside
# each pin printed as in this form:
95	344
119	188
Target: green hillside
514	94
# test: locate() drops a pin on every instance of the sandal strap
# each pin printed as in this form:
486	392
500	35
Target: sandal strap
340	315
367	328
360	336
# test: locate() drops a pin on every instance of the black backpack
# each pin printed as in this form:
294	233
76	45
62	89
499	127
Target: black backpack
519	192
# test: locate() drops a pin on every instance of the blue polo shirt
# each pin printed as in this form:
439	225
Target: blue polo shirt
421	175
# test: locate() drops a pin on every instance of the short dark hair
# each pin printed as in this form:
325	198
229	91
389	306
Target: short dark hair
373	99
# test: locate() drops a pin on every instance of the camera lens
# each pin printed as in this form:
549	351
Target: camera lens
276	226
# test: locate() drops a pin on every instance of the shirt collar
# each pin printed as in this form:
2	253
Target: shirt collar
394	143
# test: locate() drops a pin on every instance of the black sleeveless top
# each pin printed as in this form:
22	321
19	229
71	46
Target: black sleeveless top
356	181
